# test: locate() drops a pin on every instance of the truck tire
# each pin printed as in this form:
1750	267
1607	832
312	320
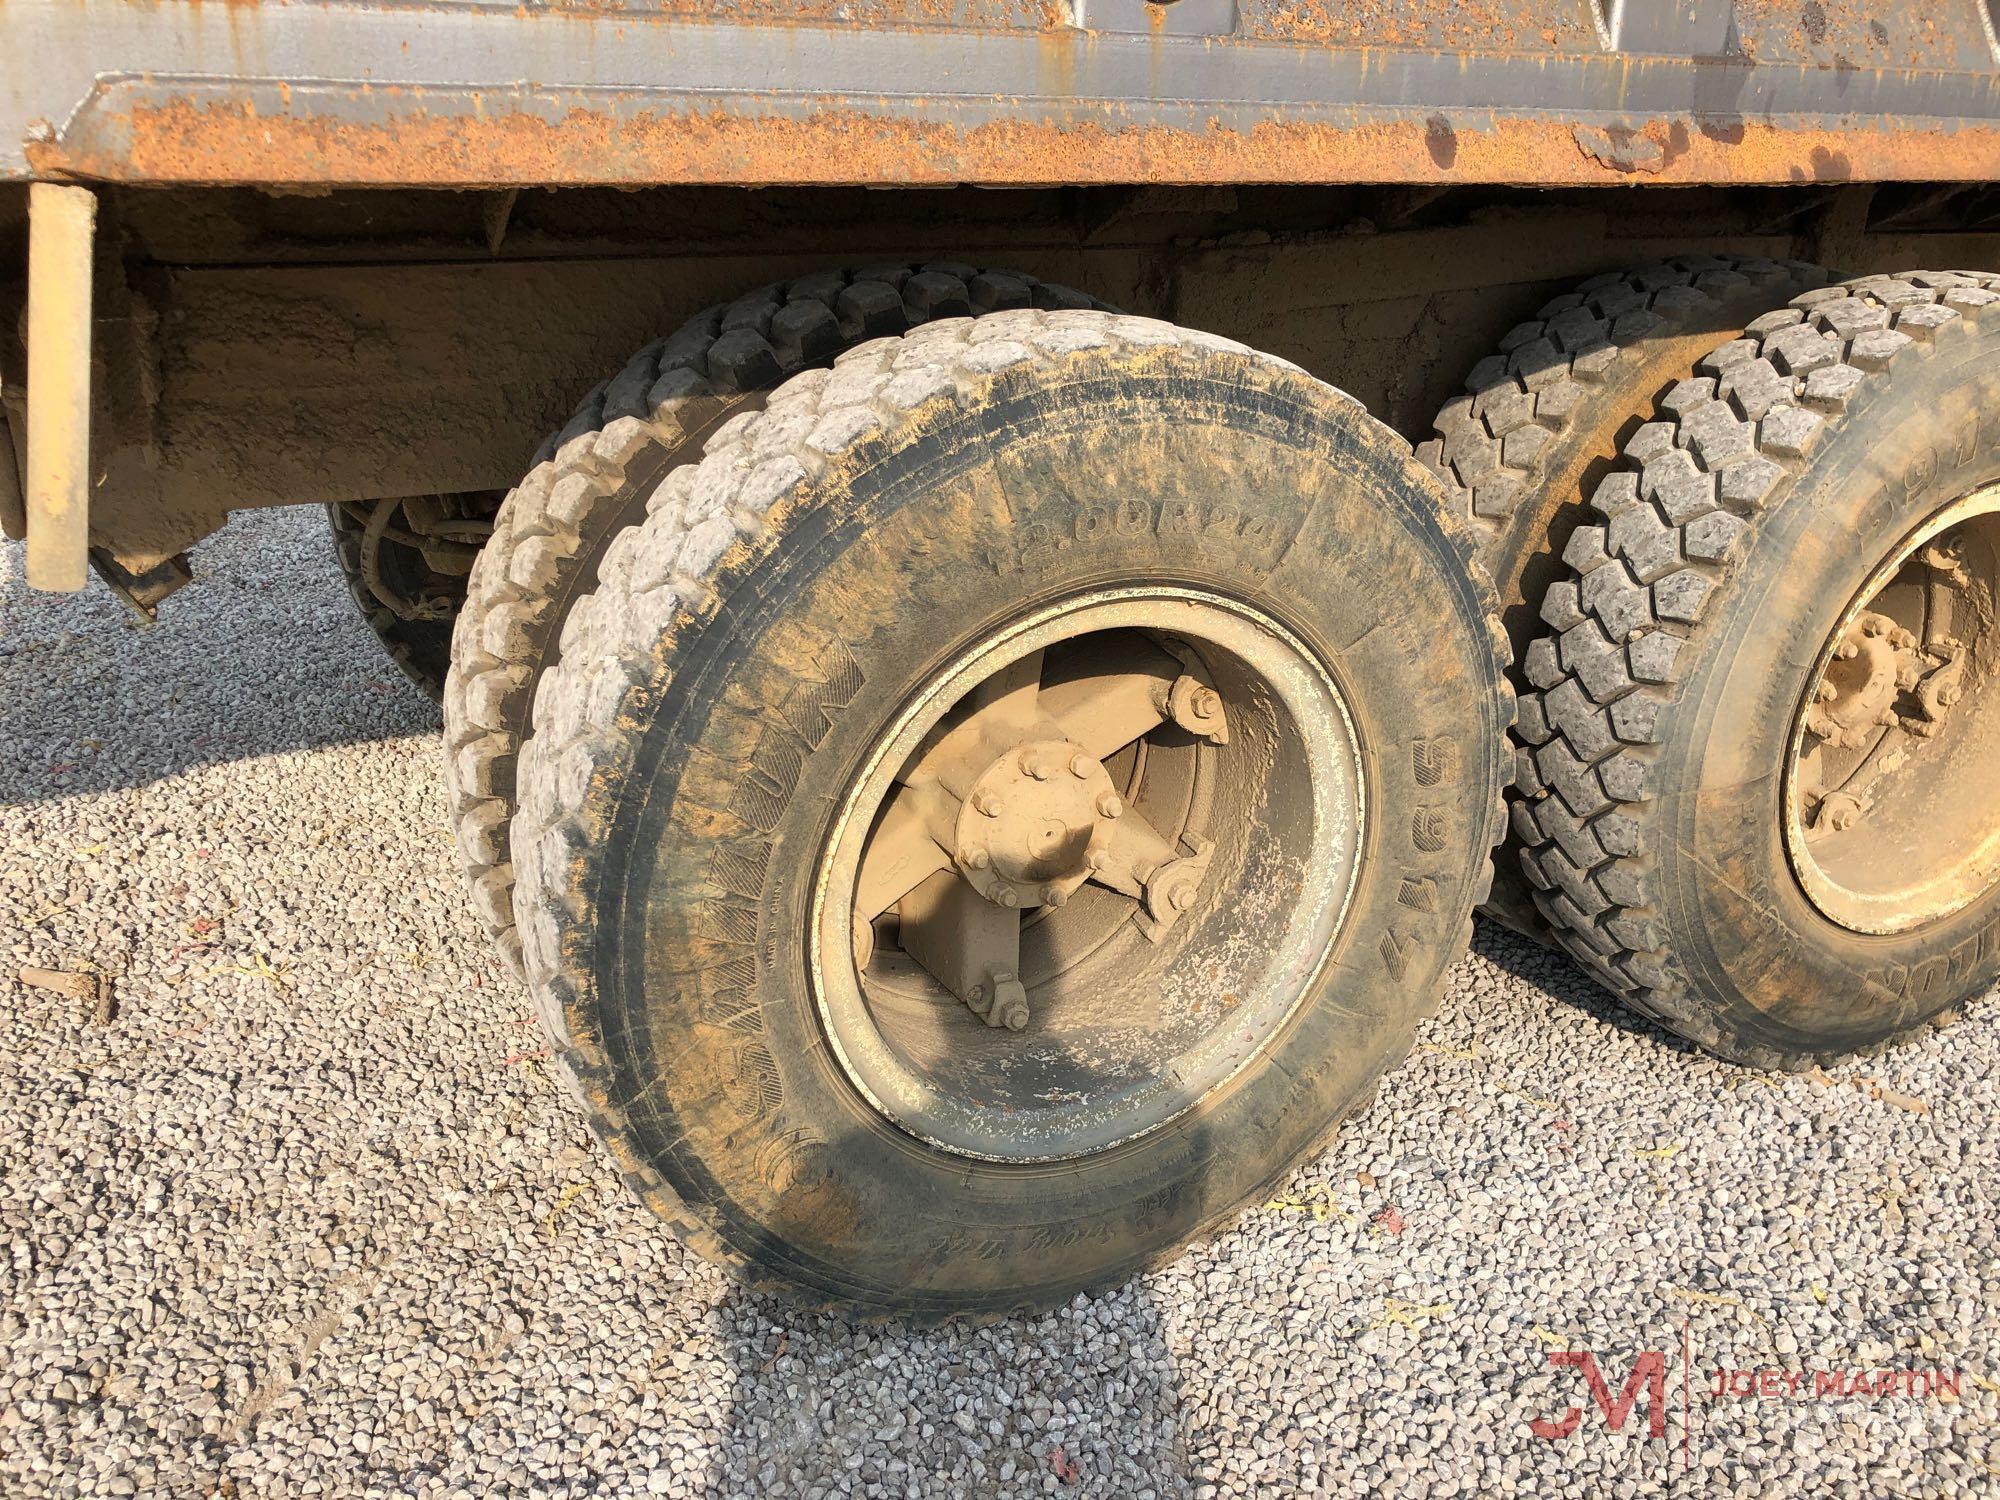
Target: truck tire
1045	549
1762	804
408	603
591	480
1540	420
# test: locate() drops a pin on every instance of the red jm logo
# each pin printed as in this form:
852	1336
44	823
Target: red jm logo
1649	1375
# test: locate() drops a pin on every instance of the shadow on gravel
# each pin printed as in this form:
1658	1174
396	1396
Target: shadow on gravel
821	1406
1560	976
249	660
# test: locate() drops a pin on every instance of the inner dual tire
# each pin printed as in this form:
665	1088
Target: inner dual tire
591	481
1541	421
803	616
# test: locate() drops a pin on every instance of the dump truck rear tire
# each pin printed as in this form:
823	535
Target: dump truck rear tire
592	479
1541	420
1741	639
810	614
420	647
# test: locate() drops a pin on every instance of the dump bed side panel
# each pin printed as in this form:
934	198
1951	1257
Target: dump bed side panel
752	92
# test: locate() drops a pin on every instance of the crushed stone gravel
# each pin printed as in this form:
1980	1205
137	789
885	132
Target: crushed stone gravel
306	1215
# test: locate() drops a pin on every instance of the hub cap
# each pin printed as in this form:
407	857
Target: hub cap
1086	874
1892	805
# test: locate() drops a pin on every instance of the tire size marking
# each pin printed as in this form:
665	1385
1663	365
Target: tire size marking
1036	540
1434	765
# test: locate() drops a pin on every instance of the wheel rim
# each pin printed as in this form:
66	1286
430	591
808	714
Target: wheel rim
1105	854
1892	808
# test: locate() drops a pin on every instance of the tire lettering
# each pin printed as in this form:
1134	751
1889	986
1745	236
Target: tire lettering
1921	472
1434	762
1133	517
1418	893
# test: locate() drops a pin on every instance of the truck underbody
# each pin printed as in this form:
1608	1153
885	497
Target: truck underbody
277	346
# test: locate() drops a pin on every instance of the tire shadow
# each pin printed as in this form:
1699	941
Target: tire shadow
820	1404
1561	977
263	654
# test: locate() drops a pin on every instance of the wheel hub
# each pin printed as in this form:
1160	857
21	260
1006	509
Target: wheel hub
1875	660
1892	818
1121	834
1036	817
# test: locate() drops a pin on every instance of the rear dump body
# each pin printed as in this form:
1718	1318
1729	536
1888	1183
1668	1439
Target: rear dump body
283	314
1022	92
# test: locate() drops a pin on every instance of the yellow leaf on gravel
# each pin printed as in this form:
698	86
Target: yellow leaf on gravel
1472	1054
1410	1315
564	1199
1317	1203
259	967
1657	1153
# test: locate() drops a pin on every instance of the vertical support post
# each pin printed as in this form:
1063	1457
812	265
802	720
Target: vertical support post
62	223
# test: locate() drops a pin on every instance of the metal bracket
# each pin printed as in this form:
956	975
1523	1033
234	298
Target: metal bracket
1173	888
1158	17
143	591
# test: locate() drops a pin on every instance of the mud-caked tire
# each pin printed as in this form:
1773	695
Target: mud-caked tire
1541	419
728	682
418	643
1733	546
591	480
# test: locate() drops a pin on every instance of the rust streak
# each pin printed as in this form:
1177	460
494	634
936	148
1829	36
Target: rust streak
180	142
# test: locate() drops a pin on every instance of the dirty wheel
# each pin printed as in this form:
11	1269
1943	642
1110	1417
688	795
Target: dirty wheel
1004	805
1541	420
1763	802
592	480
406	562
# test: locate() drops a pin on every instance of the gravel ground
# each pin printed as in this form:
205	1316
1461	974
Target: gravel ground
307	1216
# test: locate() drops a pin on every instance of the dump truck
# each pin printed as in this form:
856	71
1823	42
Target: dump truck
1127	522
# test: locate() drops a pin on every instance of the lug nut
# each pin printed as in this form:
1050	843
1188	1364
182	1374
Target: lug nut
1206	702
1182	898
1015	1018
1098	859
1054	895
976	859
1035	766
1110	805
988	805
1848	651
1874	625
1080	766
1827	692
1006	897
